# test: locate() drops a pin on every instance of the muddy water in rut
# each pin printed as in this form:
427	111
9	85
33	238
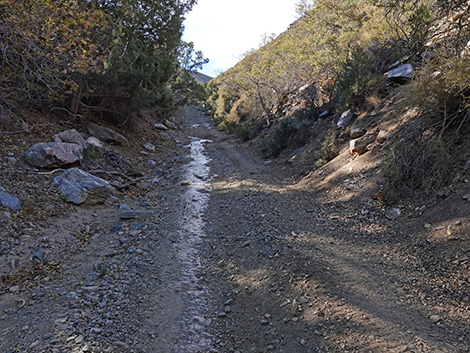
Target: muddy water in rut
191	234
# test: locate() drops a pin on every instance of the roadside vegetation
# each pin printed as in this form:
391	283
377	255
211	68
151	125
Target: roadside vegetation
103	58
335	57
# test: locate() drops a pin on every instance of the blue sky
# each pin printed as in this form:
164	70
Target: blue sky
225	29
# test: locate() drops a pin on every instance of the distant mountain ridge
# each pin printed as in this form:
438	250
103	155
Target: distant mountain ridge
200	77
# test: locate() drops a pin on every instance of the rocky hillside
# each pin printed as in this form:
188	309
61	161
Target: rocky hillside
359	74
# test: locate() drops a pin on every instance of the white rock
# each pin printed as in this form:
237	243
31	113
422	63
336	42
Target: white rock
94	141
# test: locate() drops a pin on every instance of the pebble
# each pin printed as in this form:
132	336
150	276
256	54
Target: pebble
14	289
435	318
392	213
246	244
34	344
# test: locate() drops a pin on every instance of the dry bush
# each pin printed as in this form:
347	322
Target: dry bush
418	161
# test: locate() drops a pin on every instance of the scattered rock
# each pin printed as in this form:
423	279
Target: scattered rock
246	244
53	154
357	132
392	213
345	119
295	154
10	201
14	289
107	135
38	256
70	136
128	214
79	187
170	125
435	318
359	145
95	142
466	197
149	147
381	136
159	126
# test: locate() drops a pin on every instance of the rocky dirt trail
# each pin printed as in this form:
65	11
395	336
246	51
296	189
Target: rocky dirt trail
236	257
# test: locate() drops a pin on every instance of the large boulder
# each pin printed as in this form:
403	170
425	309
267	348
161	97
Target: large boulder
107	135
80	187
70	136
53	154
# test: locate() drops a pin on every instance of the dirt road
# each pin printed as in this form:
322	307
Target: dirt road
232	256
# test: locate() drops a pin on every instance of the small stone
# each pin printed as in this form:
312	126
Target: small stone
246	244
427	225
14	289
160	127
357	132
170	125
96	142
10	201
264	322
392	213
149	147
303	342
466	197
381	136
128	214
34	344
435	318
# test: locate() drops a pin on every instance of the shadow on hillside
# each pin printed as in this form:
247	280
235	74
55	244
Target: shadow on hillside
371	283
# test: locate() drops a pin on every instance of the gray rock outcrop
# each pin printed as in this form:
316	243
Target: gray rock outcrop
80	187
53	154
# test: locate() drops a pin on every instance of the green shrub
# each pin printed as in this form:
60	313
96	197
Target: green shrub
273	147
328	151
89	152
243	132
420	21
357	80
296	129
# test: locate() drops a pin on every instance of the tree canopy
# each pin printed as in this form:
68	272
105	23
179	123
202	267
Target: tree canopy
101	55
